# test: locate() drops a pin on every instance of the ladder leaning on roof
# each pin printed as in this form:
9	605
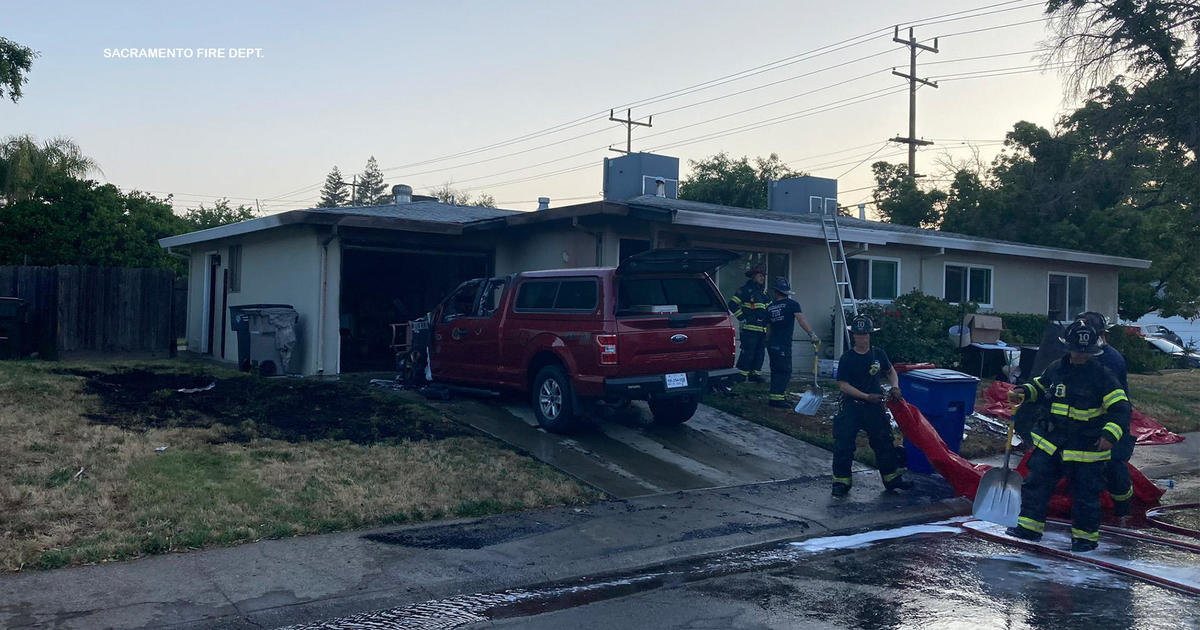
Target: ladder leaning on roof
841	277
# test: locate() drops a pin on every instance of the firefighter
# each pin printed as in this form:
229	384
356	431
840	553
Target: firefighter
749	305
1087	413
782	315
1116	472
858	374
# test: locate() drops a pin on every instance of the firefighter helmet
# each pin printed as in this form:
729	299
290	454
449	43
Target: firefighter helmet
755	270
1081	337
862	325
781	285
1098	321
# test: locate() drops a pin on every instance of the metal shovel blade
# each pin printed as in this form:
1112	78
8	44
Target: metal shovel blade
810	402
998	499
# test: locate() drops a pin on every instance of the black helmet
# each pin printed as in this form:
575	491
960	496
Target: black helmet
1081	337
862	325
781	285
1098	321
756	269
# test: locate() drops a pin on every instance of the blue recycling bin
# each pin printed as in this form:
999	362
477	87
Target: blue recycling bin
945	398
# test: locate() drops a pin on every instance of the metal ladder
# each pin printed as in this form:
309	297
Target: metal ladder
841	275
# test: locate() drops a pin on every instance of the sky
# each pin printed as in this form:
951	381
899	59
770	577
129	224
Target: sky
511	98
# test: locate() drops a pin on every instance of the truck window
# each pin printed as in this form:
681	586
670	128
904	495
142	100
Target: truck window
489	298
576	295
462	302
537	295
684	294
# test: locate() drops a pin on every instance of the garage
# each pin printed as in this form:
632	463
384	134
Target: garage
382	286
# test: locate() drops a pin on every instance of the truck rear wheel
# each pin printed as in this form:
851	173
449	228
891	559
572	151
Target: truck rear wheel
553	400
673	411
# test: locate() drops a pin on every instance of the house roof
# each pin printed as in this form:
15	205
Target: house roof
699	214
418	216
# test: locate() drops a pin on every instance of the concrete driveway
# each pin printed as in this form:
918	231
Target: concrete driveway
629	456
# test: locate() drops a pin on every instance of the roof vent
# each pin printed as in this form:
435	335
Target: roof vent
660	187
543	203
402	193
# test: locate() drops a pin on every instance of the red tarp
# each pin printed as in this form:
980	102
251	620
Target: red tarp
1146	430
964	476
904	367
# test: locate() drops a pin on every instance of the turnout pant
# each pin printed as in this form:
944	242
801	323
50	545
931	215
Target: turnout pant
754	345
1116	475
781	371
1086	479
858	416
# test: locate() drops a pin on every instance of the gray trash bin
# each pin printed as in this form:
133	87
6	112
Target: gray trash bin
272	337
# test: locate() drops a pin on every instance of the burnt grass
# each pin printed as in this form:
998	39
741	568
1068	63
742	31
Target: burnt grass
243	408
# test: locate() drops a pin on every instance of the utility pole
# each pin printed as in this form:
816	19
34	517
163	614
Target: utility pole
353	188
913	79
629	122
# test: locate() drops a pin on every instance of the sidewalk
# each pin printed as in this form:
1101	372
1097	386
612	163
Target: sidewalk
280	582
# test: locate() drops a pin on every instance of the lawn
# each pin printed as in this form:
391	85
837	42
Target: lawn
1172	397
111	461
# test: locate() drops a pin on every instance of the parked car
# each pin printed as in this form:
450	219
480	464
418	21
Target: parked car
1158	330
654	328
1183	356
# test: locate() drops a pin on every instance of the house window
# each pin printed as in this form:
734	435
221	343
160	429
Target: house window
875	279
235	268
967	282
733	275
1067	296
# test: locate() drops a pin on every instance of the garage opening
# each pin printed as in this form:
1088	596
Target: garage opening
383	286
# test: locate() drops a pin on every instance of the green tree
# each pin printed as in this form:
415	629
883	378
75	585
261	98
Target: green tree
25	164
15	62
899	200
80	222
335	192
370	185
722	180
221	213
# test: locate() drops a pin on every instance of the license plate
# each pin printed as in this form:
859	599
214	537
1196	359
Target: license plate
676	380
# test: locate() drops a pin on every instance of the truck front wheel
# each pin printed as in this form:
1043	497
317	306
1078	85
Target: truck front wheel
553	400
673	411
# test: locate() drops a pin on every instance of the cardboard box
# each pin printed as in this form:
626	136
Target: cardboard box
984	328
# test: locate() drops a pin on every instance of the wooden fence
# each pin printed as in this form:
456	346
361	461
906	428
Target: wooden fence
94	309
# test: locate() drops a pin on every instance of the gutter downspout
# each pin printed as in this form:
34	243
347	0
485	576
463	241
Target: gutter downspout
941	251
333	233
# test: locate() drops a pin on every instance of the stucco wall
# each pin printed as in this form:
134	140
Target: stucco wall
545	248
278	267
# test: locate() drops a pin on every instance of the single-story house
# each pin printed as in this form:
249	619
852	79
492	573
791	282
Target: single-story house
351	272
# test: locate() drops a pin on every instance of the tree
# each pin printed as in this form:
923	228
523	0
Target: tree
26	164
80	222
899	200
15	62
722	180
370	185
447	193
335	192
202	218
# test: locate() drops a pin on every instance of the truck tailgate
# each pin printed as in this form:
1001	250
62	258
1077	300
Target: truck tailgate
662	343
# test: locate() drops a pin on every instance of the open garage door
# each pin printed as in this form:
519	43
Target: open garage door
383	286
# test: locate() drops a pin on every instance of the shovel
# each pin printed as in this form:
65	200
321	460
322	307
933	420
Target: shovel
998	498
810	402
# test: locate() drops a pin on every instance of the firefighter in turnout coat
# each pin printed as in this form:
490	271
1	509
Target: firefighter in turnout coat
1085	413
749	306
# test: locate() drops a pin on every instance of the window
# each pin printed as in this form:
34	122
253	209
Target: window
462	302
576	295
648	295
732	276
1067	296
974	284
235	268
489	298
537	295
875	278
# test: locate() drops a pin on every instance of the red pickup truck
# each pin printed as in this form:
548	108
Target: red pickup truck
655	328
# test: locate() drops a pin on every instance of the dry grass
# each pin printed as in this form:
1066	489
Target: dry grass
204	490
1172	397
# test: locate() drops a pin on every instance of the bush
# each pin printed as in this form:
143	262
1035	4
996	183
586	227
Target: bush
915	328
1140	356
1023	328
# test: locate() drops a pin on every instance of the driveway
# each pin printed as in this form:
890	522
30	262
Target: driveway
629	456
